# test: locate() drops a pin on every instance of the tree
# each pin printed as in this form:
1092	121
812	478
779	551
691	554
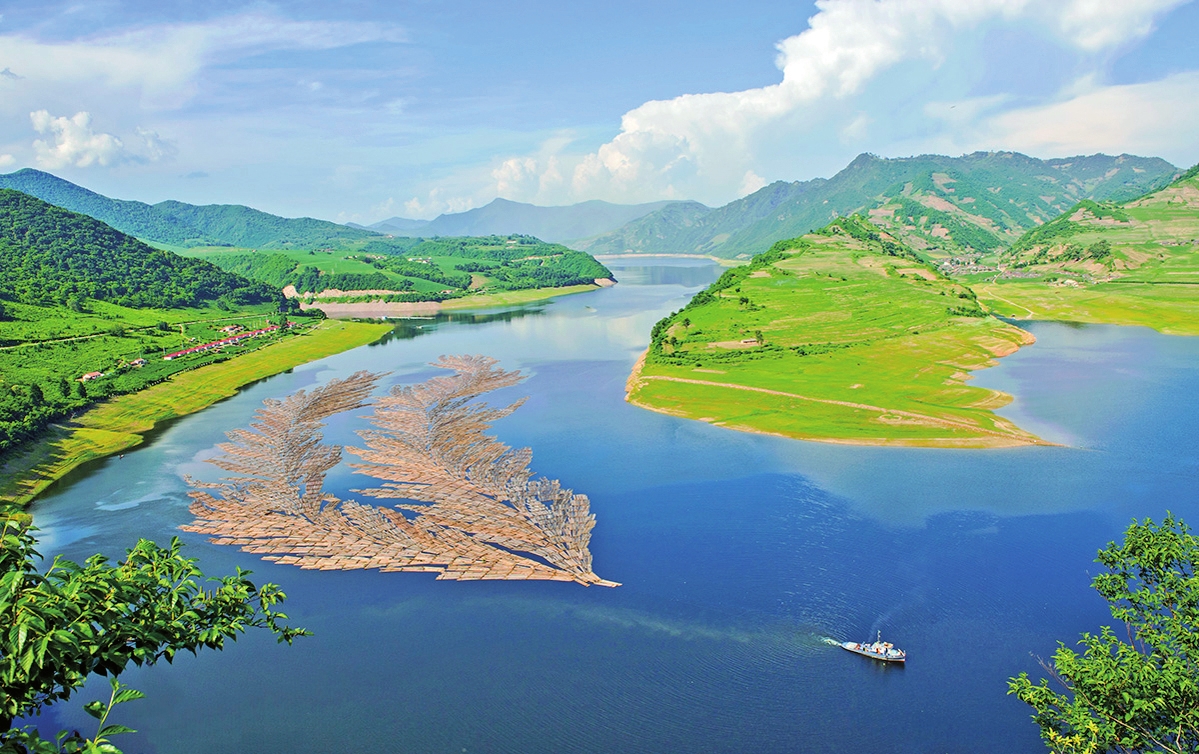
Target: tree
1139	695
60	626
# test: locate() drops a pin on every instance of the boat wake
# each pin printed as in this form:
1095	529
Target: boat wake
827	640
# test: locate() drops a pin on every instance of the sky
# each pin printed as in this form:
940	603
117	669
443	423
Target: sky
362	110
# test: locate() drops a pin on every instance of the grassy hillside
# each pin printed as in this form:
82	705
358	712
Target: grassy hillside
941	206
185	225
842	336
410	270
1135	262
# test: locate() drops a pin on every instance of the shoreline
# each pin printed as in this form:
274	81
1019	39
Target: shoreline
722	261
383	309
997	439
120	423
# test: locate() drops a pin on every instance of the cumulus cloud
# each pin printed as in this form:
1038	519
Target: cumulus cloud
73	143
700	144
6	160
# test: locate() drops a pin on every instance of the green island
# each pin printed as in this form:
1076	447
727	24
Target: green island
849	334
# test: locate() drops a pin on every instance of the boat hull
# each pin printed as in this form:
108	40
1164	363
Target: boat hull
858	649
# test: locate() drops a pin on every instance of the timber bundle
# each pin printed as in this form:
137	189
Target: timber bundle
472	509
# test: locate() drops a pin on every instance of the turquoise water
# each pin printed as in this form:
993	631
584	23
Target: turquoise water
739	555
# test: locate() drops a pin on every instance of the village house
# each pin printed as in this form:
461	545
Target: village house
91	376
137	363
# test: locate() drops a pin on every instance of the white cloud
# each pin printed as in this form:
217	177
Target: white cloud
1158	118
74	142
703	145
6	160
154	148
1096	24
163	62
436	203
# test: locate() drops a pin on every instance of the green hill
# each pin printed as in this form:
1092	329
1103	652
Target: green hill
842	335
940	206
50	256
186	225
1130	262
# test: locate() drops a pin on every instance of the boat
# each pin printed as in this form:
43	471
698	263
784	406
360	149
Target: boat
883	651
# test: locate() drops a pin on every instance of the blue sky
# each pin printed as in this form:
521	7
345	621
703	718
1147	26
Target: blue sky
364	110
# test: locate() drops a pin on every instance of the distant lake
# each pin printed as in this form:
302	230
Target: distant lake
739	555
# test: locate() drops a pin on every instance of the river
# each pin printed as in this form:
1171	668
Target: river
739	555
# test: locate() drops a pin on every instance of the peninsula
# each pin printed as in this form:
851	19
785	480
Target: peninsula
844	335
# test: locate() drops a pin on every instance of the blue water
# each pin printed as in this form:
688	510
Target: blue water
738	553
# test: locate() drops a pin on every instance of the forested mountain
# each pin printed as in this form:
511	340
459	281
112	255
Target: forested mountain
181	224
554	224
939	205
50	256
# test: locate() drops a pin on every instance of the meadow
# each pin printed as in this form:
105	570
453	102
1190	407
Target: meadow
834	339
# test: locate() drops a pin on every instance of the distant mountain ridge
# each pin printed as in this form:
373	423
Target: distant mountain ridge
939	205
181	224
503	217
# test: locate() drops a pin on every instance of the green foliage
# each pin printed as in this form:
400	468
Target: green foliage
62	625
1139	694
51	256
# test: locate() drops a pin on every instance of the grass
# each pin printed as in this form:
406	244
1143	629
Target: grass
119	423
839	343
1171	309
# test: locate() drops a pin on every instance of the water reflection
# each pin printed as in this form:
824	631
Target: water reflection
687	272
738	552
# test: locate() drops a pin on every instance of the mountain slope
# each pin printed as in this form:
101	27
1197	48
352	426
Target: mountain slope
554	224
51	256
939	205
1131	262
181	224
